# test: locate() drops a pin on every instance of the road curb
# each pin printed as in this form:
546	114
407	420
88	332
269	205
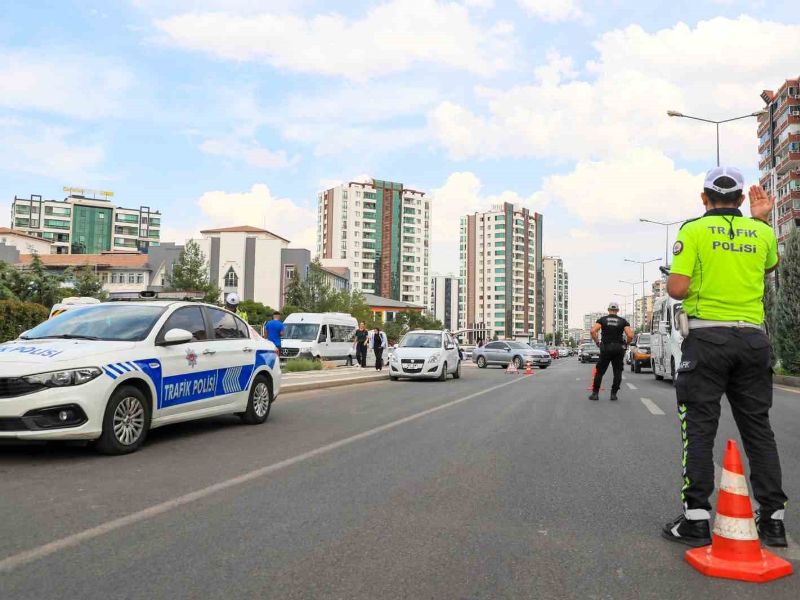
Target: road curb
289	388
787	380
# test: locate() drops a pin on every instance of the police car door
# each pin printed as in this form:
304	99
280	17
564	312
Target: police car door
189	370
234	352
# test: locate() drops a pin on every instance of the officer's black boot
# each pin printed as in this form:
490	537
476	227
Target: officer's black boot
613	397
594	396
691	533
771	531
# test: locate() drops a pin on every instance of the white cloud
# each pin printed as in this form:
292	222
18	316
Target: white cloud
716	69
63	82
461	194
390	37
258	207
48	151
553	10
251	153
640	183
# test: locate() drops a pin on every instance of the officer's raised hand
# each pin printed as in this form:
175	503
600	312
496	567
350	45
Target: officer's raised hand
761	203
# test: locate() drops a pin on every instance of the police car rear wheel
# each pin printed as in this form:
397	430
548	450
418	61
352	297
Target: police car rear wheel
125	423
259	403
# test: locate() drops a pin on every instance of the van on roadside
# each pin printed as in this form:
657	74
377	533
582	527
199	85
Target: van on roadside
666	339
319	336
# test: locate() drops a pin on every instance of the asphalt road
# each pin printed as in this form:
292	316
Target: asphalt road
492	486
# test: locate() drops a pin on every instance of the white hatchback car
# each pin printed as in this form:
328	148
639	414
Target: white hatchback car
425	354
110	372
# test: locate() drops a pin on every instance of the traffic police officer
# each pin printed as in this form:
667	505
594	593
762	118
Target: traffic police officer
718	271
614	333
232	304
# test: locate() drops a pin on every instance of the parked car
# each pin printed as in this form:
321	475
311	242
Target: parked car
505	352
425	355
322	336
640	353
563	353
111	372
589	353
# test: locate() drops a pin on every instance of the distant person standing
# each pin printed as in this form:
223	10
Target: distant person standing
361	344
274	329
615	332
379	343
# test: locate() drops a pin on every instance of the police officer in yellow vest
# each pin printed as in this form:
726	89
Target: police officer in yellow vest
719	265
232	304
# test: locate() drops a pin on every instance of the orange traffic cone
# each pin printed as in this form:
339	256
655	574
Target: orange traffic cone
528	370
735	551
511	369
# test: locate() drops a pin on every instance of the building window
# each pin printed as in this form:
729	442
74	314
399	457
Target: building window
231	278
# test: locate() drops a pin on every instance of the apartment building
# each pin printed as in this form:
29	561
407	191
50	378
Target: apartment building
380	231
445	300
556	297
779	155
501	271
83	225
590	319
643	311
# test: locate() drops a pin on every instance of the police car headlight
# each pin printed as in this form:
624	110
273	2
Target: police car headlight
63	378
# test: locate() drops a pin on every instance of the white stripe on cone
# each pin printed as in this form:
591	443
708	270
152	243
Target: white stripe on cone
735	528
733	483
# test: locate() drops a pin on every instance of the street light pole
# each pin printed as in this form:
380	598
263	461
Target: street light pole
643	263
633	294
625	296
675	113
666	240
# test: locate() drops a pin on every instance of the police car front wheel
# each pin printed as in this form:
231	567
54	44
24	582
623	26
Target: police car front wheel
125	423
259	403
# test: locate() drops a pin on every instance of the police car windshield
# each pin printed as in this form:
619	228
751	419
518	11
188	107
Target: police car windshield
105	322
421	340
305	332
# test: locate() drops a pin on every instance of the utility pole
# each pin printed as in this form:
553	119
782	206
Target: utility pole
643	263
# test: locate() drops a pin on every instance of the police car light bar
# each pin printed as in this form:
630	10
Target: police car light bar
153	295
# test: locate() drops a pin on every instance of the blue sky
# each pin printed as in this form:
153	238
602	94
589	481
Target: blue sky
239	111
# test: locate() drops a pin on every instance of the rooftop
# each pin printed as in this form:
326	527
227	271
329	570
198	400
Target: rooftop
106	259
7	231
243	229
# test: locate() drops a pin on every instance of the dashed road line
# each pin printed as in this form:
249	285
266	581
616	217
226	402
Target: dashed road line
631	386
652	406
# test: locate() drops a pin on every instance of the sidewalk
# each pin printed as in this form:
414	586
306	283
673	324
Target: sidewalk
330	378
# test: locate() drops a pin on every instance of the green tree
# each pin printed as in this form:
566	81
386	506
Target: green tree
312	294
35	284
257	313
548	338
85	282
786	331
559	339
6	292
190	273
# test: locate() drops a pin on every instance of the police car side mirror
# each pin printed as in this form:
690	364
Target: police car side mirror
176	336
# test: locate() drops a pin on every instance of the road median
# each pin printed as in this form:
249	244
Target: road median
320	380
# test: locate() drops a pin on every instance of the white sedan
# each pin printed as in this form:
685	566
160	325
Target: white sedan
110	372
425	354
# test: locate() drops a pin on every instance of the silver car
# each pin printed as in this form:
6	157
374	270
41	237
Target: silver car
505	352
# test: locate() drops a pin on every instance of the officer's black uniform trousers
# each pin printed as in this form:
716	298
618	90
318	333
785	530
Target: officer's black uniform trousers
735	362
614	355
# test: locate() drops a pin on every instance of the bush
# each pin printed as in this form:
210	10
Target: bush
787	307
16	317
297	365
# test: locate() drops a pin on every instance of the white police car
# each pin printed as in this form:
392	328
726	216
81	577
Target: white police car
110	372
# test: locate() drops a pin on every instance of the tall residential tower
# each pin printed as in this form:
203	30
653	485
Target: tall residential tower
380	231
779	155
501	272
556	298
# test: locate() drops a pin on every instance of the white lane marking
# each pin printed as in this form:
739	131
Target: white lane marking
22	558
652	406
631	386
792	551
788	389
